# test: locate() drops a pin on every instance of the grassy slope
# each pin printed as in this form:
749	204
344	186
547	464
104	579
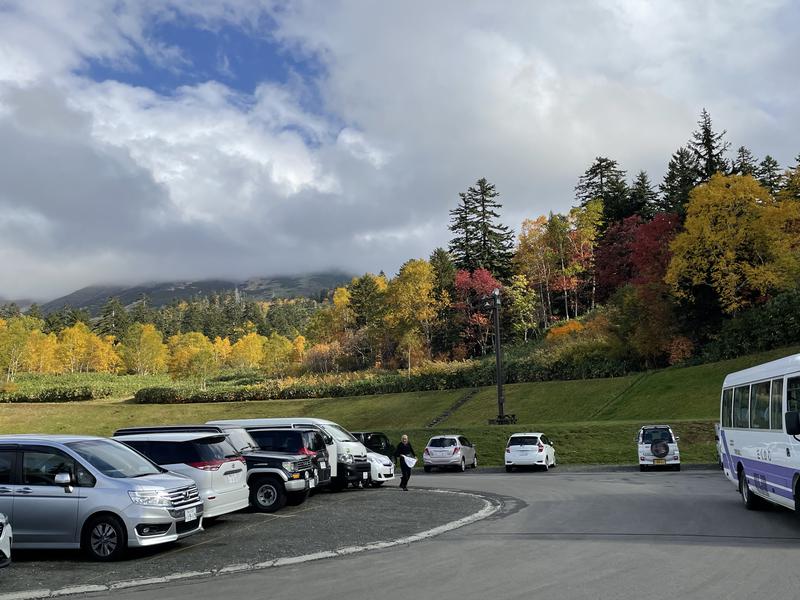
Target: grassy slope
592	421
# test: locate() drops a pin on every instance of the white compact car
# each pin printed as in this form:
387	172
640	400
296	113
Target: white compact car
529	450
381	469
449	451
658	448
5	541
217	468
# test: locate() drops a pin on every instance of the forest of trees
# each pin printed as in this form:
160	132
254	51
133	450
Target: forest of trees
642	273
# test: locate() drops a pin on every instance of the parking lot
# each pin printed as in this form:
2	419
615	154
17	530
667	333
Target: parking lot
325	522
562	534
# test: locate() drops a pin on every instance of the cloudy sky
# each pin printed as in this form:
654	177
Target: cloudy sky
160	139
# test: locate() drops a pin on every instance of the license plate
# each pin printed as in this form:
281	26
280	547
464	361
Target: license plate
190	514
364	475
322	464
312	483
659	461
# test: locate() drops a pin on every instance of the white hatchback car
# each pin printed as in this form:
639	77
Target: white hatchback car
5	541
381	469
528	450
658	448
449	451
217	468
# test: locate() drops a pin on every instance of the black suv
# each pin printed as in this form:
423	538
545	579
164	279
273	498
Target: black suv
274	478
376	441
308	442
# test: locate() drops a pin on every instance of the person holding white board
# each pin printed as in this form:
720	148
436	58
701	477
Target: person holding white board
408	459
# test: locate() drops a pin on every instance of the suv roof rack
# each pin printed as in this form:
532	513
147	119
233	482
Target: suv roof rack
169	429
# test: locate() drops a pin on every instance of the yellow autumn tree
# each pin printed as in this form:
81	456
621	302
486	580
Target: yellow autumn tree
222	351
277	354
73	348
101	354
143	350
738	242
298	349
412	305
247	352
40	353
191	356
14	335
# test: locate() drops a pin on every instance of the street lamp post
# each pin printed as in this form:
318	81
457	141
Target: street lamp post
498	355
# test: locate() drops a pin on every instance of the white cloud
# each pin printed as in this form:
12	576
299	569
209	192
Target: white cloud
111	182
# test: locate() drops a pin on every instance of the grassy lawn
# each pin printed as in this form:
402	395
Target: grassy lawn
591	421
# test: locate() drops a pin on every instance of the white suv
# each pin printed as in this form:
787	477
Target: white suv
658	448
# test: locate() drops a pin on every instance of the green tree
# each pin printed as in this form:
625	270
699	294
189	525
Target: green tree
494	248
683	174
769	174
605	181
709	147
737	241
744	163
643	198
523	307
463	245
114	319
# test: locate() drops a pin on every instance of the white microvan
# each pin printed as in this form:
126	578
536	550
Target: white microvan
759	425
348	456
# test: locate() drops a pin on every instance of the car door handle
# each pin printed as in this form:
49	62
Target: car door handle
25	490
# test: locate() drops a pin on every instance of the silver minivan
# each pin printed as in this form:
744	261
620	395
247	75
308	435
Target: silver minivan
93	493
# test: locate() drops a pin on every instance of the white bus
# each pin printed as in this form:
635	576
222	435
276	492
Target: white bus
759	422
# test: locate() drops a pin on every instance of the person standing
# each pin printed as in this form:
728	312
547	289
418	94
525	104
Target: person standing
404	449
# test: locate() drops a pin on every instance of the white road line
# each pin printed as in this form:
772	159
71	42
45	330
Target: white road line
489	508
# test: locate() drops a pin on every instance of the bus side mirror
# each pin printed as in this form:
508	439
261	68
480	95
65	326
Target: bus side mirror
792	419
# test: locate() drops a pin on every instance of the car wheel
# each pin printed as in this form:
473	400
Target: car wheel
475	462
104	538
509	468
463	466
546	464
751	501
296	498
376	484
427	469
642	468
267	495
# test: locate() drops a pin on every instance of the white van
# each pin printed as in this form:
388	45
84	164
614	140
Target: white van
348	456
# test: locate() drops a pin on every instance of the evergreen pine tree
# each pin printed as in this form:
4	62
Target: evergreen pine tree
142	312
494	241
744	163
769	174
444	270
35	311
642	196
463	244
605	181
681	178
709	148
114	319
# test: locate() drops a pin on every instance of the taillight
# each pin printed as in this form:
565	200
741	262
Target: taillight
456	450
208	465
508	449
426	452
541	447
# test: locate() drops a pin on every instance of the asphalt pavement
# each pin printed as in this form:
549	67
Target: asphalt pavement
561	535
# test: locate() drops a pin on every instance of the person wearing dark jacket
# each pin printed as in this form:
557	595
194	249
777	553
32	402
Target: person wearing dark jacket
404	449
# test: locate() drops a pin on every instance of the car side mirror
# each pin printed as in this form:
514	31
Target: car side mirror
64	480
677	437
792	419
328	440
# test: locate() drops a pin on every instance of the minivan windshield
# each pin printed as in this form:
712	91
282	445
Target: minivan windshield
339	434
524	440
442	442
114	459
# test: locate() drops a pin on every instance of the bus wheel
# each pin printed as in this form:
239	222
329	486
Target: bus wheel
748	497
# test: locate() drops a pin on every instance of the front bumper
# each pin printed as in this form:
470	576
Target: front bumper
167	524
382	472
353	472
305	481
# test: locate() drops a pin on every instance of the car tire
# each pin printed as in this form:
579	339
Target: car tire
546	464
751	501
267	494
296	498
475	462
376	484
104	538
509	468
463	466
642	468
427	469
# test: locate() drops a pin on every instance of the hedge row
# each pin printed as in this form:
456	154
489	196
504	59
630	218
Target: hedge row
57	394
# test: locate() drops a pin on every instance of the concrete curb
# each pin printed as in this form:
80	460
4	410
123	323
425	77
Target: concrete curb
490	507
580	469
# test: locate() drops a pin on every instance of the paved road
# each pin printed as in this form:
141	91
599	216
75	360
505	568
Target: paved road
561	535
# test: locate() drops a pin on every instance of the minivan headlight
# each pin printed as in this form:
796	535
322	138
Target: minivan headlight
348	459
289	466
150	497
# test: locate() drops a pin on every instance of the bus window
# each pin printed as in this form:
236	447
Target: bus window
741	406
793	393
776	408
759	405
727	402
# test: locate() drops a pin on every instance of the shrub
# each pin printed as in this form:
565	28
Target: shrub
57	394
